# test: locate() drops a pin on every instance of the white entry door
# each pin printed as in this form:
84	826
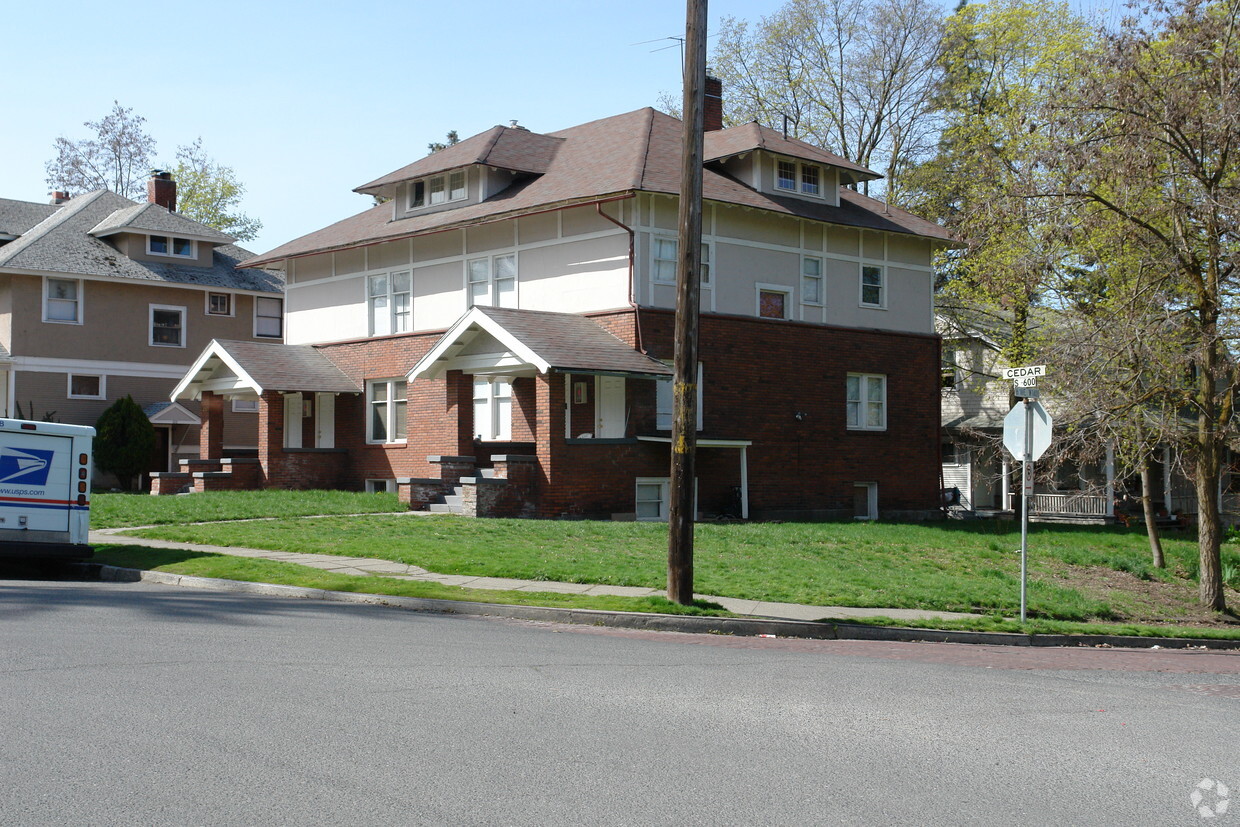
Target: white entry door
609	407
325	420
292	420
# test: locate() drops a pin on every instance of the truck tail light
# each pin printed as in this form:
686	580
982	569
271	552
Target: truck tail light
83	459
81	500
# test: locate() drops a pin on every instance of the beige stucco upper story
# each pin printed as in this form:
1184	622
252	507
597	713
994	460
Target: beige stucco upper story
120	320
577	259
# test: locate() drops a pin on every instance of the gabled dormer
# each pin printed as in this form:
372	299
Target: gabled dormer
466	173
775	164
154	232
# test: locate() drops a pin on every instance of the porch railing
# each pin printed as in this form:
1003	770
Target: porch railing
1067	505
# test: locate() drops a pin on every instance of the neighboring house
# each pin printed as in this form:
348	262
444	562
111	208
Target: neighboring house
981	476
102	297
502	325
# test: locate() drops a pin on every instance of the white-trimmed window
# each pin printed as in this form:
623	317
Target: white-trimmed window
492	409
386	400
774	301
381	486
438	189
811	280
663	401
492	281
872	284
245	406
268	318
865	501
167	325
652	500
666	260
867	402
87	386
795	176
165	245
390	302
62	301
219	304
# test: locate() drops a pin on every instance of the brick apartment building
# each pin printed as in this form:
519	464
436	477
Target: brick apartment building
498	332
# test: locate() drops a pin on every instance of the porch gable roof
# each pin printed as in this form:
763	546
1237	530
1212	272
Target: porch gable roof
536	339
245	368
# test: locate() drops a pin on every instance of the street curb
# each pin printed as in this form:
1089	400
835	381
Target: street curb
691	624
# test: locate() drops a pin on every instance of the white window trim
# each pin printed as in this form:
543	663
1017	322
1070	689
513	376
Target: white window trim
80	300
103	386
797	179
150	324
882	286
446	177
381	486
761	287
391	405
193	247
862	384
822	284
490	282
232	304
245	406
662	415
708	257
391	305
257	301
665	498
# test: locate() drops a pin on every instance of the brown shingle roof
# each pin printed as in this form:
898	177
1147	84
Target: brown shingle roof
500	146
567	341
279	367
608	158
724	143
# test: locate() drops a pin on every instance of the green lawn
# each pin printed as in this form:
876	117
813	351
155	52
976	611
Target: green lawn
111	510
1077	574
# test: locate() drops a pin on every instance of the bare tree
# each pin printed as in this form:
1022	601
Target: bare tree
117	158
854	76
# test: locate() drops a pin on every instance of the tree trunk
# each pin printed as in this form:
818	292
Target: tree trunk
1209	524
1147	506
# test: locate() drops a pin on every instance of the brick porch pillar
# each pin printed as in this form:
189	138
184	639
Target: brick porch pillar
460	409
211	434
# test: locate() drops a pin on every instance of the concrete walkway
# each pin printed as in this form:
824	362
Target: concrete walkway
365	566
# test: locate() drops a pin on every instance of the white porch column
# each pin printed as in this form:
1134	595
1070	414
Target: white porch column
1166	469
1005	493
744	483
1110	480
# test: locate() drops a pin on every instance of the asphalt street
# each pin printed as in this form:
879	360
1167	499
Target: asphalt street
145	704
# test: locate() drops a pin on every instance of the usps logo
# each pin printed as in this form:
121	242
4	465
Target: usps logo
27	466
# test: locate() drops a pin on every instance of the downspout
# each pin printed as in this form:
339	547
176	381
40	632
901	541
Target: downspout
637	322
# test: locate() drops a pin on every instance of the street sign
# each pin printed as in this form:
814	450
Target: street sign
1014	430
1027	372
1025	381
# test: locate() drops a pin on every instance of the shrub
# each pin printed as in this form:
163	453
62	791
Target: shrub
124	440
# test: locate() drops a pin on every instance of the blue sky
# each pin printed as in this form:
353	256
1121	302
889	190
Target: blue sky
308	100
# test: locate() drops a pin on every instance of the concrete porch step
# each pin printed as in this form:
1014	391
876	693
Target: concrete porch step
444	508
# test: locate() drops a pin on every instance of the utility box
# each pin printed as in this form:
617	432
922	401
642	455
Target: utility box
45	475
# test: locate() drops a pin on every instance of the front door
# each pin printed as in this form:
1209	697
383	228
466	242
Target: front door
325	420
609	407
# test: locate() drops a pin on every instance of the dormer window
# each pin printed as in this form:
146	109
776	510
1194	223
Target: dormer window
163	245
438	189
793	176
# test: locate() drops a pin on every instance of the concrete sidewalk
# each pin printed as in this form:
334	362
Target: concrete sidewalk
364	566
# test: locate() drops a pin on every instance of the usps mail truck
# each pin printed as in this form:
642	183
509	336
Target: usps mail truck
45	472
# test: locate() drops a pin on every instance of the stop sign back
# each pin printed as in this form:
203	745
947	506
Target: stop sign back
1014	430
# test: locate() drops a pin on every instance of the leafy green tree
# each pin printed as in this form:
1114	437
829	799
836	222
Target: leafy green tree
124	440
209	192
1157	123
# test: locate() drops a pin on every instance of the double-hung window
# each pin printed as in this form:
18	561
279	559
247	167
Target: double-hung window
386	400
438	189
390	302
268	318
492	409
167	326
811	280
62	301
219	304
867	402
493	281
872	284
666	261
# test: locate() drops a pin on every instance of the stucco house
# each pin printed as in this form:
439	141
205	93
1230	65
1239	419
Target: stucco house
101	297
495	335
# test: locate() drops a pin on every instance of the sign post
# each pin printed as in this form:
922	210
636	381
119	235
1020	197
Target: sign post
1026	435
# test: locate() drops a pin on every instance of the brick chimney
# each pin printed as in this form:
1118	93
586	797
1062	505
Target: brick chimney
59	197
712	108
162	190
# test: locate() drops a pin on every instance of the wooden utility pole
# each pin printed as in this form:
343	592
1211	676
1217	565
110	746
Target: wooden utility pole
688	287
